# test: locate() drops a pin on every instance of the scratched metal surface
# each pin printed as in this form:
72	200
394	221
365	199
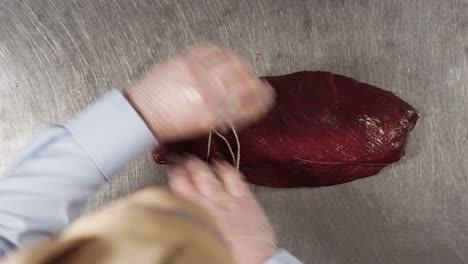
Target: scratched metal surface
58	56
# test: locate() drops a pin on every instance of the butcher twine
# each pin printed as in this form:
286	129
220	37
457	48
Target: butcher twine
236	157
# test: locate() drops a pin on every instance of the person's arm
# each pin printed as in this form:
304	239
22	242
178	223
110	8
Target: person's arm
47	186
49	183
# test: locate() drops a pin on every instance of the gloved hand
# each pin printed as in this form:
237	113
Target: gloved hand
206	88
222	191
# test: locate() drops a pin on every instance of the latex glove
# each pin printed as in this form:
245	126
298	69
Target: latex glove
206	88
222	191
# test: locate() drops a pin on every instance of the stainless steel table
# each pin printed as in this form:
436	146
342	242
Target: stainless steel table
58	56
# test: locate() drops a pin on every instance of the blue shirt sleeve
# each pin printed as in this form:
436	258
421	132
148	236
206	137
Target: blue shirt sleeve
48	185
283	257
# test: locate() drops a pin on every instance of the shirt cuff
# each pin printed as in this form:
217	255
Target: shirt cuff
112	133
283	257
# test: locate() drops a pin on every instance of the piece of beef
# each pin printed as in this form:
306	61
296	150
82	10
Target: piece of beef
324	129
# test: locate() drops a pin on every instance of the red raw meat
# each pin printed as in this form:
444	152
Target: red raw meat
324	129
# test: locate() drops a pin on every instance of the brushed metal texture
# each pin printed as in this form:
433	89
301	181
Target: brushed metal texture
58	56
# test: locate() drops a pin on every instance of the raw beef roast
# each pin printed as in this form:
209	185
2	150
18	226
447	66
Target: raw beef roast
324	129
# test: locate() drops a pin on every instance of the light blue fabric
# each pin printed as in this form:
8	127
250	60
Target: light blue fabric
48	185
283	257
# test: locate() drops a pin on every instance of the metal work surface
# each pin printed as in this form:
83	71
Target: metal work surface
58	56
